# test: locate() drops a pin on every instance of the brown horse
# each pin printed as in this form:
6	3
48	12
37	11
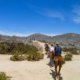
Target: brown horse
58	61
50	55
47	50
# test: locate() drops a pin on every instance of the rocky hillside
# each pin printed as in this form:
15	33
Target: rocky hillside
15	39
65	40
68	40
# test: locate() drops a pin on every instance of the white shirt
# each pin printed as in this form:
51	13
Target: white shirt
51	49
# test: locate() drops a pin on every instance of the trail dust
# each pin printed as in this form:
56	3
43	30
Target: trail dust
39	70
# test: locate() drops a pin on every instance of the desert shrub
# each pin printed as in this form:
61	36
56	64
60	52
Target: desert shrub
68	57
17	57
3	48
31	51
61	44
13	47
71	44
23	48
3	76
6	47
29	48
34	56
71	50
19	49
75	52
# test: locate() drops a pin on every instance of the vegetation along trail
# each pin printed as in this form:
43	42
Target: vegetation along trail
39	70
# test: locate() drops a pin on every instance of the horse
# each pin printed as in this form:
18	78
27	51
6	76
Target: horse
58	61
47	50
50	55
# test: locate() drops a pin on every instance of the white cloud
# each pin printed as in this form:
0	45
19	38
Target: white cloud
76	9
48	12
77	19
22	35
54	14
76	12
51	34
51	13
14	34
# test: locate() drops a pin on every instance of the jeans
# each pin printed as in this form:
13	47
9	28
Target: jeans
52	60
48	54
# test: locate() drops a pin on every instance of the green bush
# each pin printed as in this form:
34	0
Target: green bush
19	49
31	51
71	50
68	57
34	55
75	52
17	57
3	48
3	76
71	44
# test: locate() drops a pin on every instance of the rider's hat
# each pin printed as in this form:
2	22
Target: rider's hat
57	43
47	43
51	44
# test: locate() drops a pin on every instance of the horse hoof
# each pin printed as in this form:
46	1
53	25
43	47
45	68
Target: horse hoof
57	77
51	66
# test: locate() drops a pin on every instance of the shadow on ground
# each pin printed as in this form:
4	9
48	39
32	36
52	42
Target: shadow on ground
48	64
54	76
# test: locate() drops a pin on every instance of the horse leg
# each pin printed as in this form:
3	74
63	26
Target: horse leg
56	64
60	65
50	60
46	52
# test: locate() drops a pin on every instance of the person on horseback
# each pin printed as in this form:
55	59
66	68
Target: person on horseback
46	45
51	49
57	53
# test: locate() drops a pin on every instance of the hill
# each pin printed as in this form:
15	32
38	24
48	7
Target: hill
69	39
14	39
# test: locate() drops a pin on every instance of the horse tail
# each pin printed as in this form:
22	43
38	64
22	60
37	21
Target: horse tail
61	61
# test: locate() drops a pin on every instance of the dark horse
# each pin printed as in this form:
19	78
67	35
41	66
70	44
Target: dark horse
47	50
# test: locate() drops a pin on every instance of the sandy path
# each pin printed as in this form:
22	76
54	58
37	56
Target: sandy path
39	70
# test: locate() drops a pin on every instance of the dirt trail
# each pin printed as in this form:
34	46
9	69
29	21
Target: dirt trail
39	70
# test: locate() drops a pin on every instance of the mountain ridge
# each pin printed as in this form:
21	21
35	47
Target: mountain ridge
67	39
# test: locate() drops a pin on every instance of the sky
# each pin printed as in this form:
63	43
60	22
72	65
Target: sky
50	17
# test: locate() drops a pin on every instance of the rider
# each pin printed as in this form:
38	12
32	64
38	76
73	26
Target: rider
51	49
47	45
57	52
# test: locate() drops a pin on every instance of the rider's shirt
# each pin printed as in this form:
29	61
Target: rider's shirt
51	49
58	50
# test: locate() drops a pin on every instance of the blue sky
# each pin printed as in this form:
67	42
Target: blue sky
51	17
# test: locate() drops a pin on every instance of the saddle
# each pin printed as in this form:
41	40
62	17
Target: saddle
47	48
